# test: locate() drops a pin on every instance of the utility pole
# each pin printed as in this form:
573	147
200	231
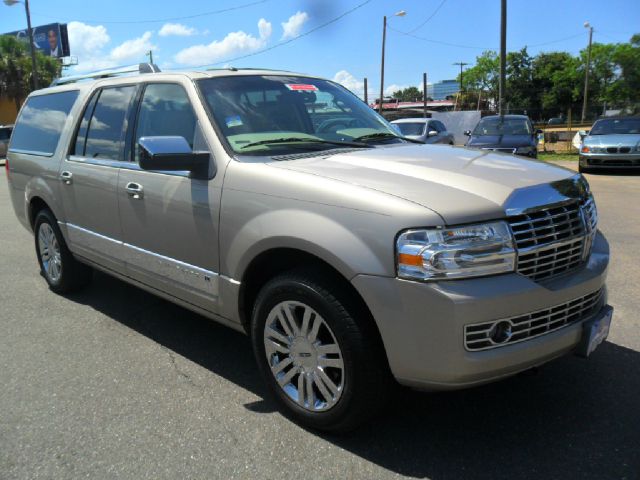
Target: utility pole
424	93
586	73
366	92
462	64
503	55
384	38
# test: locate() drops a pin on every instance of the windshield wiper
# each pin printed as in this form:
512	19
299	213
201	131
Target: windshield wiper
384	136
305	140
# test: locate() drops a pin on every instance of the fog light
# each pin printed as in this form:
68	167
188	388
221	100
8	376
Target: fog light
501	332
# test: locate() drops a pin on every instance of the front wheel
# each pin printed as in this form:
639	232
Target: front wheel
61	270
317	354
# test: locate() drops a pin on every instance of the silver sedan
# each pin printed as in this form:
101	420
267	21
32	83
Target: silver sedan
426	130
611	143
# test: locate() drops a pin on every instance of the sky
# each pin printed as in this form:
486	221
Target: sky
336	39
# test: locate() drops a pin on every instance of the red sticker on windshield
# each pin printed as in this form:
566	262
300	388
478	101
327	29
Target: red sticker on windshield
300	87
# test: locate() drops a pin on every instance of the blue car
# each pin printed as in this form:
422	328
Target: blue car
505	133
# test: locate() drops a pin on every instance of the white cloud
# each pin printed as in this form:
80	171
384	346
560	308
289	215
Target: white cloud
176	29
292	27
391	89
349	81
133	49
88	42
235	43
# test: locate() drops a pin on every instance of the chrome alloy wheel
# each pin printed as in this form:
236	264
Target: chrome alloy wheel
304	356
49	252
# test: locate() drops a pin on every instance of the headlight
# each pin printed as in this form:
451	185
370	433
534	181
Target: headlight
459	252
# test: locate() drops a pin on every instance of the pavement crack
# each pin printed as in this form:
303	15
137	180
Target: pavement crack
178	370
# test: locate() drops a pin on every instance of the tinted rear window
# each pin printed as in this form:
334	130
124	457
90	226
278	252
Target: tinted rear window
41	121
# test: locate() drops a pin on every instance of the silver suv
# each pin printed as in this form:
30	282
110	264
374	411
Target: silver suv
284	207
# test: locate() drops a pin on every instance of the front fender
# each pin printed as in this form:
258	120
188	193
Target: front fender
326	238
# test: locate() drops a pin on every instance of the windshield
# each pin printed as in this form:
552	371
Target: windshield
615	126
251	111
414	128
502	126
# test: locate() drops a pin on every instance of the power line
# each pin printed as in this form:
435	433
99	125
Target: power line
285	42
429	17
556	41
161	20
439	41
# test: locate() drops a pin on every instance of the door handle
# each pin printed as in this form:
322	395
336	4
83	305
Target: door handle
134	190
66	177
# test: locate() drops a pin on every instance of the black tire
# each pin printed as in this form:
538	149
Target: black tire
367	380
73	275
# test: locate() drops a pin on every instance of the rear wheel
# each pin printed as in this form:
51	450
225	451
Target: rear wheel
318	356
60	269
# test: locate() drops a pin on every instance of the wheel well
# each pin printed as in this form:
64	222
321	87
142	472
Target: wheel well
35	205
271	263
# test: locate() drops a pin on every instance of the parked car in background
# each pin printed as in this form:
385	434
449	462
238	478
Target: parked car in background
5	135
426	130
506	133
611	142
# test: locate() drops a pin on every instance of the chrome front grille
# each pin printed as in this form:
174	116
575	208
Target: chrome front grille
553	240
507	331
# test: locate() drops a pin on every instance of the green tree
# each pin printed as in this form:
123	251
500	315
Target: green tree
409	94
16	69
483	76
556	83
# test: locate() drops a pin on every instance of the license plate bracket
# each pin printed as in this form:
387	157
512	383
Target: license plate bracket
595	331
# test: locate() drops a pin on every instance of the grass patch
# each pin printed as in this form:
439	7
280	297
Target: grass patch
556	157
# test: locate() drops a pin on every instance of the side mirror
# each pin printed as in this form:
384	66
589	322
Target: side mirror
467	133
432	133
172	154
583	133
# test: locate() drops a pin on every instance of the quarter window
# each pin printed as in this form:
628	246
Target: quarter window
105	135
41	121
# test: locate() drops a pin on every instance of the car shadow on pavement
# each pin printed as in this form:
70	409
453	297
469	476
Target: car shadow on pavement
574	418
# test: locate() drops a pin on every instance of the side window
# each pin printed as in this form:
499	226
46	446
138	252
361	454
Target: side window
433	126
440	126
81	136
105	135
165	110
41	121
5	133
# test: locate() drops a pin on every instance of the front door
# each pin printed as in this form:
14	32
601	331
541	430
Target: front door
169	220
89	177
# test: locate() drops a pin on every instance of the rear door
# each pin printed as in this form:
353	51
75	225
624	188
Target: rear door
170	220
89	177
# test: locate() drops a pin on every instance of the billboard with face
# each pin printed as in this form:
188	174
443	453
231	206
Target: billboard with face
52	39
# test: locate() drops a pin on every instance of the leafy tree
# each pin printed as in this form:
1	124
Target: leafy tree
484	75
409	94
16	69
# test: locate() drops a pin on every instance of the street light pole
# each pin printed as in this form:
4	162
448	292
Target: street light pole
34	72
401	13
586	73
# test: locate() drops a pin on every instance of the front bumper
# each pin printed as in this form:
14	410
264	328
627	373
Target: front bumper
422	324
609	160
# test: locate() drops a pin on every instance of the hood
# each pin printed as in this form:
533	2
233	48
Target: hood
500	141
459	184
613	140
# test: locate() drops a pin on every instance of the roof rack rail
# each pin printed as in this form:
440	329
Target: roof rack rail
112	72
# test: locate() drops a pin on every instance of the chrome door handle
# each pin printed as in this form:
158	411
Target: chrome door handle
66	177
134	190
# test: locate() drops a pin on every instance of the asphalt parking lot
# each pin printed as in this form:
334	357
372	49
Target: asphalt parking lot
115	383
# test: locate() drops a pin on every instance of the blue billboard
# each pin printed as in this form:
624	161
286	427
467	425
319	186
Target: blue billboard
52	39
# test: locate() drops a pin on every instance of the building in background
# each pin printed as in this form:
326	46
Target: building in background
442	89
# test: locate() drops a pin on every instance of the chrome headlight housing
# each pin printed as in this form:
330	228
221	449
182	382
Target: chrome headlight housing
455	252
